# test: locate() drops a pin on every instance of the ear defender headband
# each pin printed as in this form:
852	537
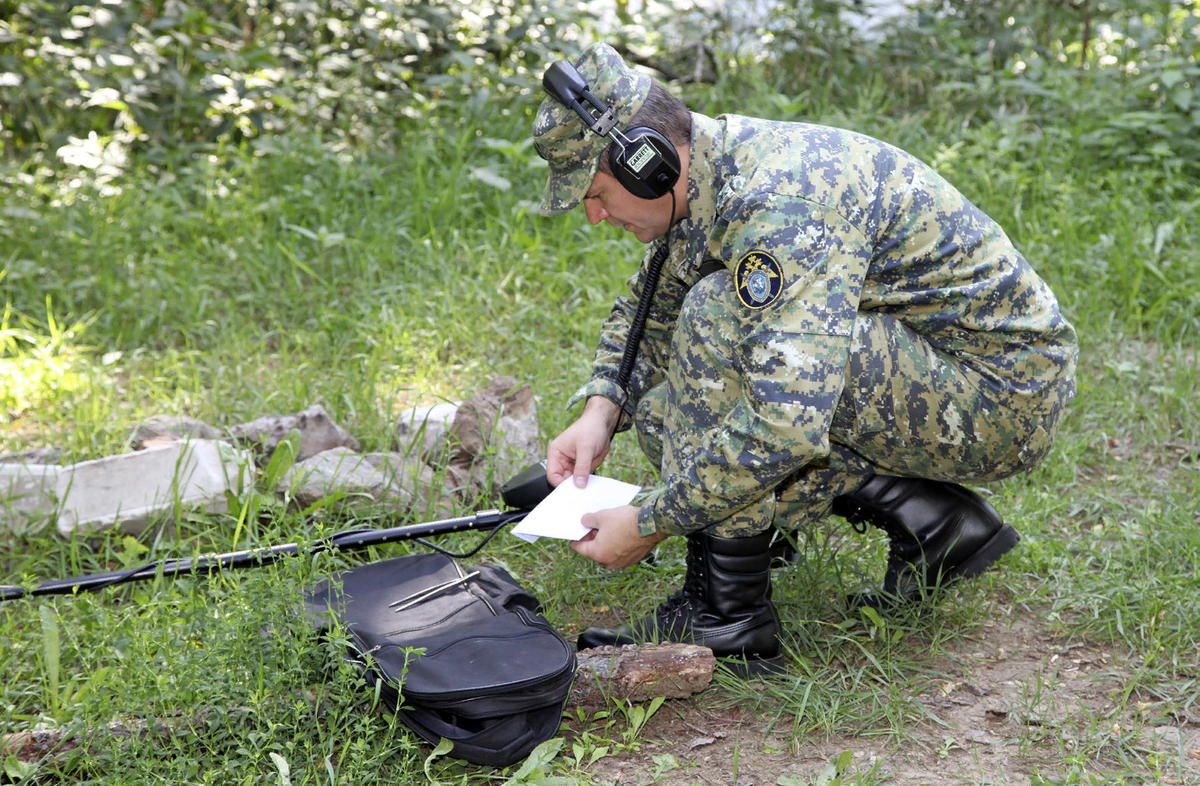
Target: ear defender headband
642	160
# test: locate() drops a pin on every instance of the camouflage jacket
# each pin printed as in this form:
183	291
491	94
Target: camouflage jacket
851	224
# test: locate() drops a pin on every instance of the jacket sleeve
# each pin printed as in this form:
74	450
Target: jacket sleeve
652	357
789	357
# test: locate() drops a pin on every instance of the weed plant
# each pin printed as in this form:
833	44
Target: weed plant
282	273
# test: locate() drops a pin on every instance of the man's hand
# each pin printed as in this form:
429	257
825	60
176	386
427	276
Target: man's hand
614	541
583	445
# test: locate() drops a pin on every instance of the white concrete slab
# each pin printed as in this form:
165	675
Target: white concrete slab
28	492
133	489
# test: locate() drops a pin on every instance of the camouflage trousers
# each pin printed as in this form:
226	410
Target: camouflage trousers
906	409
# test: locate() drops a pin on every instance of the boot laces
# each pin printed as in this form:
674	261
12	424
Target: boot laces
858	519
679	602
682	600
897	534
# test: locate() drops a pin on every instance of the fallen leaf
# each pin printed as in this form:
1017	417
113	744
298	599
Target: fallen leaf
696	743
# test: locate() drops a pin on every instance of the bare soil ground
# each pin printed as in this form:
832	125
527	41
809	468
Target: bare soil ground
1028	704
1024	707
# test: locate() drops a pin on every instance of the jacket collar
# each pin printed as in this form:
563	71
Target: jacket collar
706	177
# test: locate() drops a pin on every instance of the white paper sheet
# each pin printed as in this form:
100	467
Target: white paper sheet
559	514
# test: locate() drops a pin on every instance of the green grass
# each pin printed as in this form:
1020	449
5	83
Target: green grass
271	278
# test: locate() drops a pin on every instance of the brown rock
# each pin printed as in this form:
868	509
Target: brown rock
475	420
641	672
495	433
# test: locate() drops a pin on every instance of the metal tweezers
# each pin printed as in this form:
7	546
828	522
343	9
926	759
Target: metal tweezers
429	592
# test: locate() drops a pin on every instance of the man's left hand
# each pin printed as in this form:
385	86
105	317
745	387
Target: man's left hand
614	541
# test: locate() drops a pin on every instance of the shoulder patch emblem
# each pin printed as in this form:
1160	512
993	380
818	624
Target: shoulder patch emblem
759	279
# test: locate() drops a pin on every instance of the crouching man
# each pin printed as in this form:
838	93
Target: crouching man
836	330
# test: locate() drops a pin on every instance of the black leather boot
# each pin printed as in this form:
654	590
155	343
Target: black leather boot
939	532
725	605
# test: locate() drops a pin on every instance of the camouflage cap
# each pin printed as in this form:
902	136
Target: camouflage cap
560	136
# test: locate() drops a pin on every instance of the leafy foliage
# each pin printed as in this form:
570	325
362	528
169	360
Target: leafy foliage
170	74
1126	74
1136	81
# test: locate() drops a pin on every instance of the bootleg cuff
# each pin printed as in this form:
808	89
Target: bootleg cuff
599	386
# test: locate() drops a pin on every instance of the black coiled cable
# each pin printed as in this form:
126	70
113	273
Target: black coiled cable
637	328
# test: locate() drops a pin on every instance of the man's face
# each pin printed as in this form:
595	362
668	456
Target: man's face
607	200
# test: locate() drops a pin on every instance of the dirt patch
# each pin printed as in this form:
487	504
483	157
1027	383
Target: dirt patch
1016	705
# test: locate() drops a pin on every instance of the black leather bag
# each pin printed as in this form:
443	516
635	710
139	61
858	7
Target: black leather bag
460	654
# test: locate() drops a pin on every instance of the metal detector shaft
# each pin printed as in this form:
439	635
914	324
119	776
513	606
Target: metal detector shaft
253	558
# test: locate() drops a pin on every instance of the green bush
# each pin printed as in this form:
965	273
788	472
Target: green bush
159	75
1124	75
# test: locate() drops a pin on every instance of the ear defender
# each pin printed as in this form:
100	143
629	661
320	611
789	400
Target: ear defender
645	162
642	160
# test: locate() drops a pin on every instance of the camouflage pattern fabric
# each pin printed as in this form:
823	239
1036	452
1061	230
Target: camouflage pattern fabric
869	318
561	138
904	410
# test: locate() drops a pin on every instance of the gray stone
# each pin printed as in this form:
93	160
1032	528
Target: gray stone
391	479
161	428
1164	738
318	433
337	471
398	468
465	483
35	456
133	489
433	500
369	477
421	431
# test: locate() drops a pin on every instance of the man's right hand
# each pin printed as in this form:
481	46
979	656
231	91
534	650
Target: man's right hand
584	444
